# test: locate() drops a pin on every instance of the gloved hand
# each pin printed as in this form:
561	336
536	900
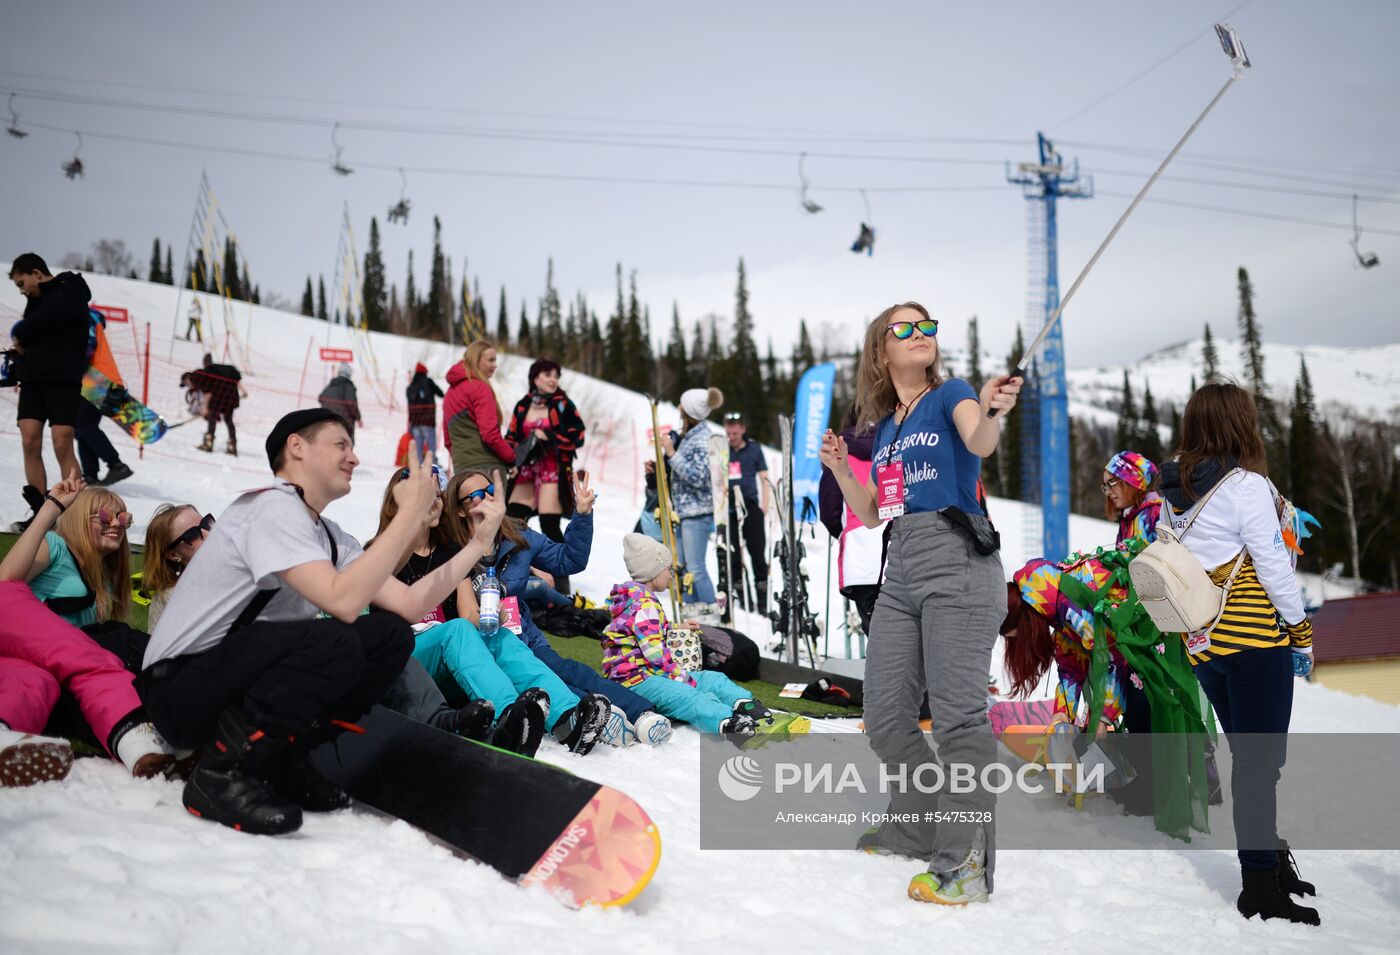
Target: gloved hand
1302	663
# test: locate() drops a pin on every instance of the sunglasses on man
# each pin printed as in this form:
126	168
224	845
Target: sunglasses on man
928	327
438	473
205	525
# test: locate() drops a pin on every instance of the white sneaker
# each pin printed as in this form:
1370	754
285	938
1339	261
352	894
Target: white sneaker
654	728
26	759
143	751
618	731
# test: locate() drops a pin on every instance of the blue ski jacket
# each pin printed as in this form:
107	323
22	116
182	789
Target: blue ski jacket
513	565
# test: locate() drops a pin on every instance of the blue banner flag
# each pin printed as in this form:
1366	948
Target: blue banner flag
815	393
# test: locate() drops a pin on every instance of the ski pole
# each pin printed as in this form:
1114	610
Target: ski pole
1230	42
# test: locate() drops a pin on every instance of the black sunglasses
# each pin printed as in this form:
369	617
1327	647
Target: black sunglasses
205	525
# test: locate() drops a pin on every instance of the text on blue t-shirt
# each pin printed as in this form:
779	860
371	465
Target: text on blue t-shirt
939	470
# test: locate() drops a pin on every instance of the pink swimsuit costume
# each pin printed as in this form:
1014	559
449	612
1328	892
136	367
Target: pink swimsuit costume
544	469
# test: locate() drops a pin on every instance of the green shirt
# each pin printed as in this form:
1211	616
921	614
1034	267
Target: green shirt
62	579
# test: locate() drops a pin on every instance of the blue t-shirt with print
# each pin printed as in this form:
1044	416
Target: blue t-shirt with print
62	579
751	463
939	470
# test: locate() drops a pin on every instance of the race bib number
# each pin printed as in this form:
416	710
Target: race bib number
1198	642
510	615
435	615
736	471
889	489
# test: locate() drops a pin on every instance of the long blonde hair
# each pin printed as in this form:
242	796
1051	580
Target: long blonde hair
471	362
158	571
108	575
875	392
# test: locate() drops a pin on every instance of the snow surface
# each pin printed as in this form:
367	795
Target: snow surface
102	862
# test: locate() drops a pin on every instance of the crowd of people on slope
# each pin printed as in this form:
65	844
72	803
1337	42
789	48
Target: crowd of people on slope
327	628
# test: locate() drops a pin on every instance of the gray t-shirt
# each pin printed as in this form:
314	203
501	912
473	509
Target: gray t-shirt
261	534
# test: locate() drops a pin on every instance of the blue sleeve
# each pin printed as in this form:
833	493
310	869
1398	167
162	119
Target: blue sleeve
955	392
570	557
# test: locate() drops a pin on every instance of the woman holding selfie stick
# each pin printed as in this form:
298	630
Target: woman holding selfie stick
944	592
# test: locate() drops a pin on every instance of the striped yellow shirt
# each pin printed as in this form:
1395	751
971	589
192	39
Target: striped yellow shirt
1250	620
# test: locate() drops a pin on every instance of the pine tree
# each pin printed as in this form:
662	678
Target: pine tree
394	313
525	340
676	378
638	350
1128	427
550	323
1209	357
1193	385
437	308
1249	332
169	268
321	311
411	305
503	323
250	292
232	285
373	290
1302	440
156	274
975	377
699	372
308	300
594	366
1004	467
745	370
197	278
615	339
1176	432
1149	438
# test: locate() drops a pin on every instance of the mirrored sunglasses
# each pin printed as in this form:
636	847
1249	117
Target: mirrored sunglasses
471	497
928	327
107	519
205	525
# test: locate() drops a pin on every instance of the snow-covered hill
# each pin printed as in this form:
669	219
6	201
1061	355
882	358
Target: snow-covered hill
102	862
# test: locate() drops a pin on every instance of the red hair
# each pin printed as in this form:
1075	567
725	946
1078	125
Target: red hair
1030	644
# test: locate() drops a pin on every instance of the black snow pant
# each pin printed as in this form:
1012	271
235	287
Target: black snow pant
286	676
92	443
756	545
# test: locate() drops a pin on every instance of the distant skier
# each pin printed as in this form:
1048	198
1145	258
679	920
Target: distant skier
422	394
195	322
748	480
340	396
53	339
223	386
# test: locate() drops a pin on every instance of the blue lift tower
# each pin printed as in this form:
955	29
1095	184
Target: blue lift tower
1047	436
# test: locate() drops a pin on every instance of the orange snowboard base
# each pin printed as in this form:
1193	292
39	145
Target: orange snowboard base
605	857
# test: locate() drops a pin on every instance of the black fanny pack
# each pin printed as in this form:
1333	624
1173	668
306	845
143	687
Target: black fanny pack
985	539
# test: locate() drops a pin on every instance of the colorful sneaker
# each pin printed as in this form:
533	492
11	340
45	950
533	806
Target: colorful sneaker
870	845
754	710
26	759
964	885
653	728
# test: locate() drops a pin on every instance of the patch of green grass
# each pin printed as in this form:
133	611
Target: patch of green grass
590	653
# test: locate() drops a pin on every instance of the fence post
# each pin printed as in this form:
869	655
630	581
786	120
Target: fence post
311	340
145	384
136	343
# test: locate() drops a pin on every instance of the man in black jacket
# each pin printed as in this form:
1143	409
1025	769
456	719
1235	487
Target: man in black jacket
52	340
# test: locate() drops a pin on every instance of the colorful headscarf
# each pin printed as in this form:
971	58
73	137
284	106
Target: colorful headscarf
1132	469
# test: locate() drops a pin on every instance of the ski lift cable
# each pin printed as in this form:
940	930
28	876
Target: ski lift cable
1150	69
1252	213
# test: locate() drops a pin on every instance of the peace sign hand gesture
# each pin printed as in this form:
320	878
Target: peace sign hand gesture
584	496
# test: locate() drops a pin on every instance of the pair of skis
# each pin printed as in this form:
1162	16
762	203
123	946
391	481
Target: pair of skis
791	617
663	498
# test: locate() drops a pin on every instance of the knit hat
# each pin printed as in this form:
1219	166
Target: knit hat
420	369
697	403
295	421
344	371
1132	469
645	557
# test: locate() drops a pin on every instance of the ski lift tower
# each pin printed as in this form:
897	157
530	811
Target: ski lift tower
1046	451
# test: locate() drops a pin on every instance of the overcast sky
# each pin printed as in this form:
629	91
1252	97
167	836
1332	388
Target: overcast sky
730	93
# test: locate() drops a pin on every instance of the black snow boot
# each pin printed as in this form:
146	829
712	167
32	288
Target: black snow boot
1263	896
1288	879
226	786
754	710
289	774
521	725
738	729
472	721
581	729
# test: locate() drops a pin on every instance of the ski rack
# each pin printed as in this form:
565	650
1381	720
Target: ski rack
791	617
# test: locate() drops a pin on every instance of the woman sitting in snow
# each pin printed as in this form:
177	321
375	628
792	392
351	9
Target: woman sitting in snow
51	583
636	652
172	538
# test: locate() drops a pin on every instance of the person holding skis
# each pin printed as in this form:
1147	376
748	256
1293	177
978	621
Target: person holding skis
421	395
70	568
625	716
52	338
544	483
258	704
691	494
935	622
223	386
748	481
1217	485
471	414
340	396
636	653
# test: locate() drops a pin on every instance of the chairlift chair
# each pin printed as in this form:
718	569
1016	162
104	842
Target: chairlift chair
73	168
1367	260
13	129
338	167
808	204
865	239
398	212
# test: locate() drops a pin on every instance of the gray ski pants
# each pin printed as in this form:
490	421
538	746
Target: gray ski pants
934	628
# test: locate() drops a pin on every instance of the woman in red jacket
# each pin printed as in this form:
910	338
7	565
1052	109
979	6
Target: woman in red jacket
471	414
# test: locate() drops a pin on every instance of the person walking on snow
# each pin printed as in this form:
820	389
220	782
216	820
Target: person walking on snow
936	619
223	384
259	703
196	322
421	395
691	494
340	396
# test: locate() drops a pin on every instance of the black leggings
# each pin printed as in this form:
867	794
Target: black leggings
213	419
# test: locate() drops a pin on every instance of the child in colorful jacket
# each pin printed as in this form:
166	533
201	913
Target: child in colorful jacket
635	652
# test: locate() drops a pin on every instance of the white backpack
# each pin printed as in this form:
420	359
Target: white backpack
1175	590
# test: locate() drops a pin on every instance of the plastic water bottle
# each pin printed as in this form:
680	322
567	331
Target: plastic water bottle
489	600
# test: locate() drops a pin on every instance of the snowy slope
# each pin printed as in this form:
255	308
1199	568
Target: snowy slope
102	862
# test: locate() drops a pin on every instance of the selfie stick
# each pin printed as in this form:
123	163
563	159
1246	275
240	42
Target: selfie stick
1230	42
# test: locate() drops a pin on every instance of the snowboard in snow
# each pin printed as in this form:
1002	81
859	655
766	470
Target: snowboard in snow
534	823
115	402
